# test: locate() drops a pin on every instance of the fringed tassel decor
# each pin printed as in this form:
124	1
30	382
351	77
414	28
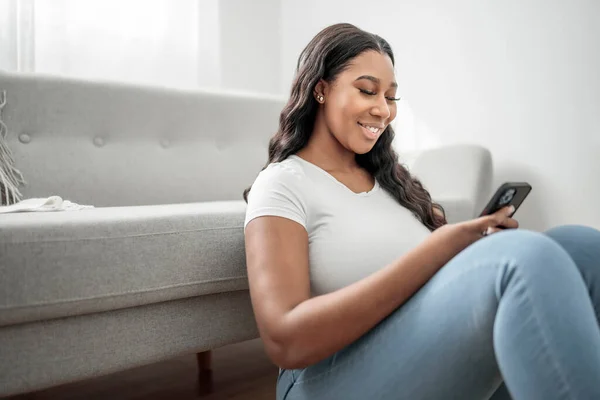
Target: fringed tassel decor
10	177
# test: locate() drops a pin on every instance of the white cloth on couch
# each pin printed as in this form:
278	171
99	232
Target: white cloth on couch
52	203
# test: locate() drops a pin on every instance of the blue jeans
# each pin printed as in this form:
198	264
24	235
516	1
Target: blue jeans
516	312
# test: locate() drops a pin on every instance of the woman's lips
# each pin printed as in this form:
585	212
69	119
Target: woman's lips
371	134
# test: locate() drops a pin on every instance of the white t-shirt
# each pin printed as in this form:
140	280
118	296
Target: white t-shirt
350	235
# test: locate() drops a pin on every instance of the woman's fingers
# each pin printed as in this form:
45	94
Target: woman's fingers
502	218
491	230
493	223
510	223
499	221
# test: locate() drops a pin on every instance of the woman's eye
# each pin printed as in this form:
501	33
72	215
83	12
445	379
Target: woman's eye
369	93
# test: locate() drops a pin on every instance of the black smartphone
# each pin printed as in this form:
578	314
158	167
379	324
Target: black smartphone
509	194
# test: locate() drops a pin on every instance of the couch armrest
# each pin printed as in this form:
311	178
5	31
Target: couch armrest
58	264
459	177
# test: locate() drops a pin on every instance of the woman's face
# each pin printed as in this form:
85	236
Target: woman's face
361	102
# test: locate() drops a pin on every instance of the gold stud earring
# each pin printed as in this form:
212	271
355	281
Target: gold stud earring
320	98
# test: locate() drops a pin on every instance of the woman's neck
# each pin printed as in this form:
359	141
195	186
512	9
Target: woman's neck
324	150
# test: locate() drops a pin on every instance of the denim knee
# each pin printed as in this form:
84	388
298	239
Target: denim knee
583	245
515	242
570	232
532	252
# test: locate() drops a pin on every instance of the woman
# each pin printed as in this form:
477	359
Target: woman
360	288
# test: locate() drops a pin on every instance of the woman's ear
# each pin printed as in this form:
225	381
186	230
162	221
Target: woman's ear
320	91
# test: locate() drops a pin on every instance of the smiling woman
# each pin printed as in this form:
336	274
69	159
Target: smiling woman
359	287
343	100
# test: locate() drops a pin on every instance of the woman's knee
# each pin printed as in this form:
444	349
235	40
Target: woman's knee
574	233
531	258
582	243
528	249
518	240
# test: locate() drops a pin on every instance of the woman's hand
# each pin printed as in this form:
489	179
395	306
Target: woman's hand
492	223
451	239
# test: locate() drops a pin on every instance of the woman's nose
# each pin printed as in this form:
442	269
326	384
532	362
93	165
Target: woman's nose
381	109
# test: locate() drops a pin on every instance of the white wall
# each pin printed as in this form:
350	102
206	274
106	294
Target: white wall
250	45
15	27
518	76
140	43
8	59
216	44
152	42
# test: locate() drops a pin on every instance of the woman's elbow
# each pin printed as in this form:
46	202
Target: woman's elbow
285	354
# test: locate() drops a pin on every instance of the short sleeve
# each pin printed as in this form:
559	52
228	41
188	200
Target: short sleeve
277	191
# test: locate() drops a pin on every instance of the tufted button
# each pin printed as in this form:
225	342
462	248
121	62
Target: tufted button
24	138
99	141
165	142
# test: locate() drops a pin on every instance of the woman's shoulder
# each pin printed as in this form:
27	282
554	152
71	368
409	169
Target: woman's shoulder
288	171
280	190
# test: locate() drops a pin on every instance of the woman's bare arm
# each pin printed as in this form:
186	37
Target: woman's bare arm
299	330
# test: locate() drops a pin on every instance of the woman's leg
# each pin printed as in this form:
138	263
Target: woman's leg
516	297
583	245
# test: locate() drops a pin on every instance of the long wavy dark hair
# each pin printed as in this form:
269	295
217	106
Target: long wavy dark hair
328	54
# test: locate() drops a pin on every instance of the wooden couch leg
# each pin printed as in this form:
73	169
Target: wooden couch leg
205	383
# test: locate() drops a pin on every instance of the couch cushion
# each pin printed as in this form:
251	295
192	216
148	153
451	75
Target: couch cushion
70	263
110	144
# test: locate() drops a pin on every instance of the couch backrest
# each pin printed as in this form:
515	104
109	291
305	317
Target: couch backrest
109	144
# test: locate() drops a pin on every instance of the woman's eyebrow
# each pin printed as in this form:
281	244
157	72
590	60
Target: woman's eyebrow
375	80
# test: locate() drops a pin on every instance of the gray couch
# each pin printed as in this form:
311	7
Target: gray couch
157	269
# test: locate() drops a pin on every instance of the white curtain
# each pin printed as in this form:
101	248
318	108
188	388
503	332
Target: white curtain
157	42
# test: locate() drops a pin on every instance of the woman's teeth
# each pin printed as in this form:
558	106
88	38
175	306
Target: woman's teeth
370	128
